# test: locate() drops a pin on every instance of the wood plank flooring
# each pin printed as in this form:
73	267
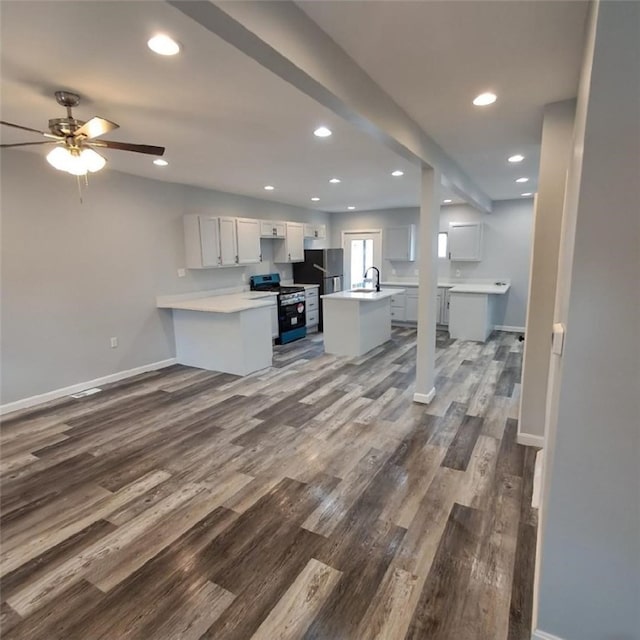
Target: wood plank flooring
311	501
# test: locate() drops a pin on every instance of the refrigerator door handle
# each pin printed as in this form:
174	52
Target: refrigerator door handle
319	268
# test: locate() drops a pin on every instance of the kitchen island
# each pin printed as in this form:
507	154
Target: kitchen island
355	321
472	309
229	333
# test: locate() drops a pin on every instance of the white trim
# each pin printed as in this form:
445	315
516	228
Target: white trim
543	635
425	398
529	440
31	401
508	327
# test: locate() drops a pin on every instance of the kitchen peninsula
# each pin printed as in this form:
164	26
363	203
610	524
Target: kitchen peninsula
356	321
472	309
231	333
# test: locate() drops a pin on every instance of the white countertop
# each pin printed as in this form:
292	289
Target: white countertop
481	288
229	303
363	297
306	286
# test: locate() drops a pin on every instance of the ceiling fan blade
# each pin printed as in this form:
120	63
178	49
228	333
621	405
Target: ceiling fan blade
95	127
26	144
127	146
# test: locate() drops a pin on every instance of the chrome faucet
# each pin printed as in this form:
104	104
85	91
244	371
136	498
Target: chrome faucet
377	278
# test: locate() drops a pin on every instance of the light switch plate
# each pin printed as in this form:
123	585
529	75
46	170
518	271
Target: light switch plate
182	273
557	341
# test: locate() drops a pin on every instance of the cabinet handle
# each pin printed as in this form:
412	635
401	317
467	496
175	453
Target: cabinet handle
289	257
237	260
260	257
449	255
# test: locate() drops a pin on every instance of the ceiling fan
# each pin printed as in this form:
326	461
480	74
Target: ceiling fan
76	140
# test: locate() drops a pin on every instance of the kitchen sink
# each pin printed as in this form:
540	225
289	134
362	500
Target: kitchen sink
362	290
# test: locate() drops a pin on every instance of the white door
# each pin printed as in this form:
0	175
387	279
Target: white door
248	240
362	249
228	242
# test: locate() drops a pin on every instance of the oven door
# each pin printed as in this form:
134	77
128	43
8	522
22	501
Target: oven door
292	313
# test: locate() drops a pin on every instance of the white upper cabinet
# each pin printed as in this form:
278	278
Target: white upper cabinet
292	249
465	241
315	231
201	242
228	242
248	238
400	243
272	229
211	241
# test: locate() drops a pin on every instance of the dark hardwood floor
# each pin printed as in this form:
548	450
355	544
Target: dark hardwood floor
314	500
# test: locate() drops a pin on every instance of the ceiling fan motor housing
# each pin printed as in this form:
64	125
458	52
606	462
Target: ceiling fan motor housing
64	126
67	99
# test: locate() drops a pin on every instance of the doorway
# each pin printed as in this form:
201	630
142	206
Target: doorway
362	249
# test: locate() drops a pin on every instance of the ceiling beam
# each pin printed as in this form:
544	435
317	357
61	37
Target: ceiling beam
283	39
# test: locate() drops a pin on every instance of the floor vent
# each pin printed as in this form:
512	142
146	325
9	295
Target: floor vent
86	392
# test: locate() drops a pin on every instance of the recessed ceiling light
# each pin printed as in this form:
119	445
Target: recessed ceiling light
269	187
397	173
522	179
447	201
163	45
525	195
159	162
322	132
315	199
484	99
335	180
351	208
517	158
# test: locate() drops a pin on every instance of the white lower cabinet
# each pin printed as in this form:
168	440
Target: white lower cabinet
442	306
412	305
275	331
399	307
312	308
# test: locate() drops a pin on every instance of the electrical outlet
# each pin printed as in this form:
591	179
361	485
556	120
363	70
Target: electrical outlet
458	273
114	342
393	272
244	277
182	273
415	272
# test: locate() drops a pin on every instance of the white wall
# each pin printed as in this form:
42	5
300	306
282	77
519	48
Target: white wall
557	137
588	583
73	275
507	245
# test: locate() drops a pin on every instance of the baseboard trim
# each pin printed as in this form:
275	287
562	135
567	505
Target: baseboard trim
509	328
543	635
32	401
529	440
425	398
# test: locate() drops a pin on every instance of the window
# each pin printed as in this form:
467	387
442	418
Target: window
442	245
361	260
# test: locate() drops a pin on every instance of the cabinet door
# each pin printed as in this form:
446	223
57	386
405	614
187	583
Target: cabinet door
248	232
445	307
412	308
295	242
209	241
309	231
399	243
228	242
465	241
321	231
439	307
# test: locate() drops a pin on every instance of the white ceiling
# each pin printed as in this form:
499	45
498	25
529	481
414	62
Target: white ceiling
229	124
433	58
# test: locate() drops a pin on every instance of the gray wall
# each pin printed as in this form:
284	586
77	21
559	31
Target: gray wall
507	247
73	275
589	576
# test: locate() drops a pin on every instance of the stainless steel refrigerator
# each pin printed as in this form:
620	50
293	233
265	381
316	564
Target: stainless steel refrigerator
324	267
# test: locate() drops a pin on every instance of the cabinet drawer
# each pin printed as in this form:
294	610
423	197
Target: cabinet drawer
398	300
312	317
311	294
312	303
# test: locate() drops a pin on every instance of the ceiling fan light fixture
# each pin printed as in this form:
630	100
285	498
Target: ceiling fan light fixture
163	45
74	161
